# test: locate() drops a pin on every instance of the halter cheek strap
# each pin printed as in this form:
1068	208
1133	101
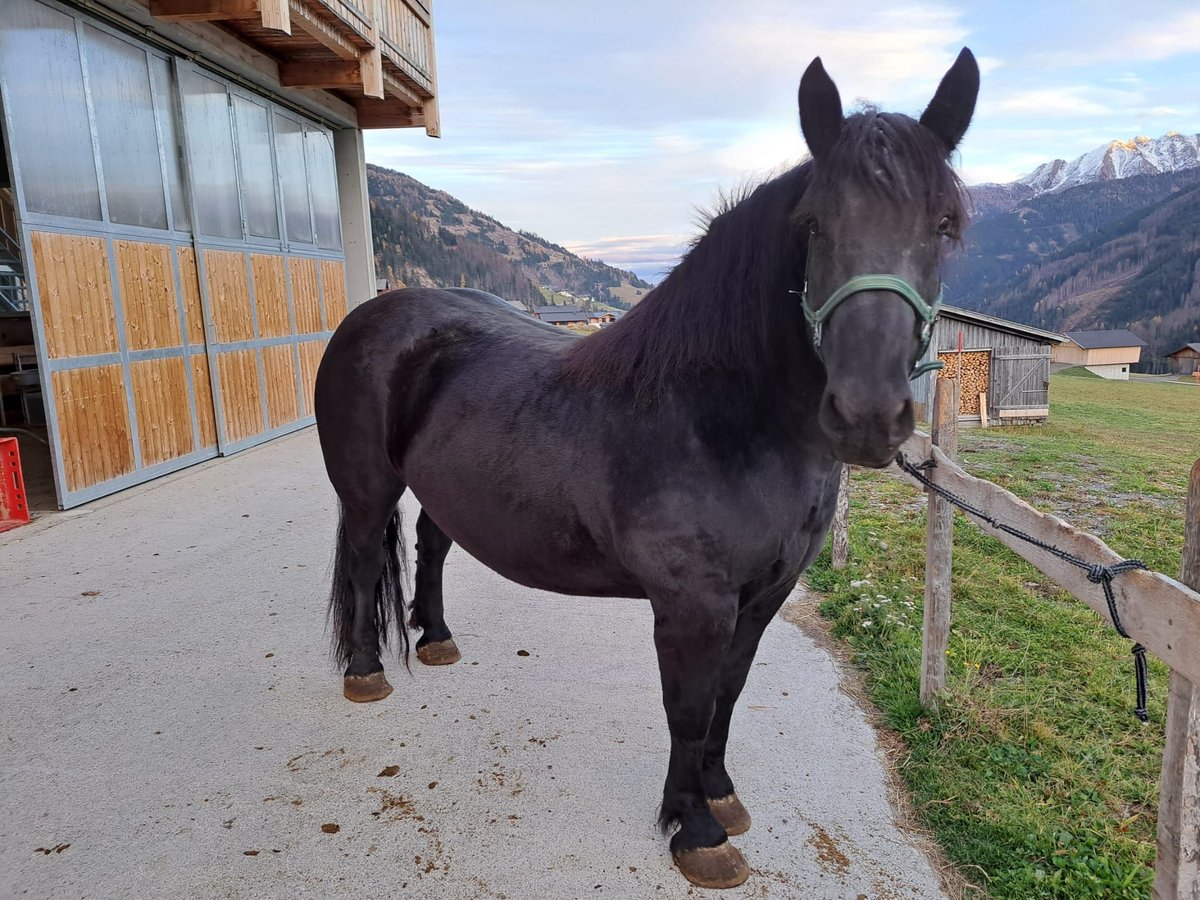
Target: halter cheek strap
926	312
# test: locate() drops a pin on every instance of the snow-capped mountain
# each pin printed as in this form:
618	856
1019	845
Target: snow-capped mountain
1173	152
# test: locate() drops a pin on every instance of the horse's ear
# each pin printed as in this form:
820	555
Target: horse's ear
949	112
820	109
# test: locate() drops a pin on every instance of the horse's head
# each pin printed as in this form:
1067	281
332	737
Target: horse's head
881	204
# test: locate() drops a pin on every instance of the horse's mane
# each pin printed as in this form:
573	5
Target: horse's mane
726	307
893	156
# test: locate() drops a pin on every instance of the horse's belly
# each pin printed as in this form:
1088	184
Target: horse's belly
525	542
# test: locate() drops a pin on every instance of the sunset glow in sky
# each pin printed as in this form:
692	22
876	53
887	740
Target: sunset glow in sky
603	127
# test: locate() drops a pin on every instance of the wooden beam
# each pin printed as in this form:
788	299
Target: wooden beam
320	73
203	10
1158	612
371	61
939	549
373	114
433	115
276	15
370	66
839	551
394	87
1031	412
322	32
1177	870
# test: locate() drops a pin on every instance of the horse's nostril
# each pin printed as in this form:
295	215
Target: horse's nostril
902	423
837	413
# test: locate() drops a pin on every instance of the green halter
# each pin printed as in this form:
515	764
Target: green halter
926	312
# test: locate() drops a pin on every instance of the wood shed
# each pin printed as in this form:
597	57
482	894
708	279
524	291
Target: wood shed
1004	367
1185	360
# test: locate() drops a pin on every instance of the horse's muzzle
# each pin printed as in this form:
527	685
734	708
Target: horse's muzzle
866	430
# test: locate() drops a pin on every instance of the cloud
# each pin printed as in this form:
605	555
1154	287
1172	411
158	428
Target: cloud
1161	40
1119	38
1051	101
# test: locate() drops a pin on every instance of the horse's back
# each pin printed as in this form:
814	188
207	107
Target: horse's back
392	357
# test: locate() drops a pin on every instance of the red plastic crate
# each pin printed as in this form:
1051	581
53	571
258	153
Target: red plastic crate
14	510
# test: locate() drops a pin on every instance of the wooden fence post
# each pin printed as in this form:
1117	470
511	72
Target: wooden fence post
1177	871
938	551
840	552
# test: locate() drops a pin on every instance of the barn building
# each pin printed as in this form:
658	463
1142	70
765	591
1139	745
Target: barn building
183	214
1185	360
1004	367
1109	353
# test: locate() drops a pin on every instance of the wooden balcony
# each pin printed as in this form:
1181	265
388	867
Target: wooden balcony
375	54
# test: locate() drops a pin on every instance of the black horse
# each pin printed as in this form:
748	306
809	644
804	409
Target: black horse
714	420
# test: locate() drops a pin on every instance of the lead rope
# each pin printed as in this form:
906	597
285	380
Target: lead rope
1097	574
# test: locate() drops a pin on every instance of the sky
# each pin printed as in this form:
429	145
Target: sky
606	127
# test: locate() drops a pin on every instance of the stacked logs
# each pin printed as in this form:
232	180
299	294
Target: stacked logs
972	369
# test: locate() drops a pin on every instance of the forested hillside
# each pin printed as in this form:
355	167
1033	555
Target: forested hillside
426	237
1112	254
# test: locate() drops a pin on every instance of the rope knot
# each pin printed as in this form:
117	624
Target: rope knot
1098	574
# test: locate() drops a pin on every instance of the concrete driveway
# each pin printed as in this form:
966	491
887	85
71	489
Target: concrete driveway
172	725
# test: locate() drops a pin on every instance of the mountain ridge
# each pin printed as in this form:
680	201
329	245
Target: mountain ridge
1172	152
1111	253
425	237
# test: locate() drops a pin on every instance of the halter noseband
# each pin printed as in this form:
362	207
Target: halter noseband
926	312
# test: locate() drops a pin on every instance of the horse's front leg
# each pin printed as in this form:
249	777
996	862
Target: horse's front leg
692	634
752	621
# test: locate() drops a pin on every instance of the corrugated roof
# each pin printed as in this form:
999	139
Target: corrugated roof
1193	347
558	309
978	318
1109	337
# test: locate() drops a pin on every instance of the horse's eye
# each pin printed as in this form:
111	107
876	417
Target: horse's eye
810	225
946	226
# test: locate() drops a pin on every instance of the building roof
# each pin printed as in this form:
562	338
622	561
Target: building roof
1195	348
978	318
563	318
1101	340
543	310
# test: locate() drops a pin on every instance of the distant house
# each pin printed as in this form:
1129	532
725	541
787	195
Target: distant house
601	318
1107	353
382	286
1003	367
562	315
1185	360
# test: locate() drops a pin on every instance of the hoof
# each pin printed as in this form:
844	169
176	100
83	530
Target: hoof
730	813
439	653
365	688
721	866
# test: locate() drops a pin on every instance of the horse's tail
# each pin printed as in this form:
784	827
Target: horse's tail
389	590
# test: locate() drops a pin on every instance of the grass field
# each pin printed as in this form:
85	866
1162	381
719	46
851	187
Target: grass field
1034	775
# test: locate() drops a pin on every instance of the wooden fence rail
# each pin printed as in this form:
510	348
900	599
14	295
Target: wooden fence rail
1158	612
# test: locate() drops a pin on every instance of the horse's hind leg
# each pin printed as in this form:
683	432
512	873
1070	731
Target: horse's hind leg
367	594
753	619
436	646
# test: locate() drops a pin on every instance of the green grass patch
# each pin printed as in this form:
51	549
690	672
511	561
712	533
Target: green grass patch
1079	372
1034	774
